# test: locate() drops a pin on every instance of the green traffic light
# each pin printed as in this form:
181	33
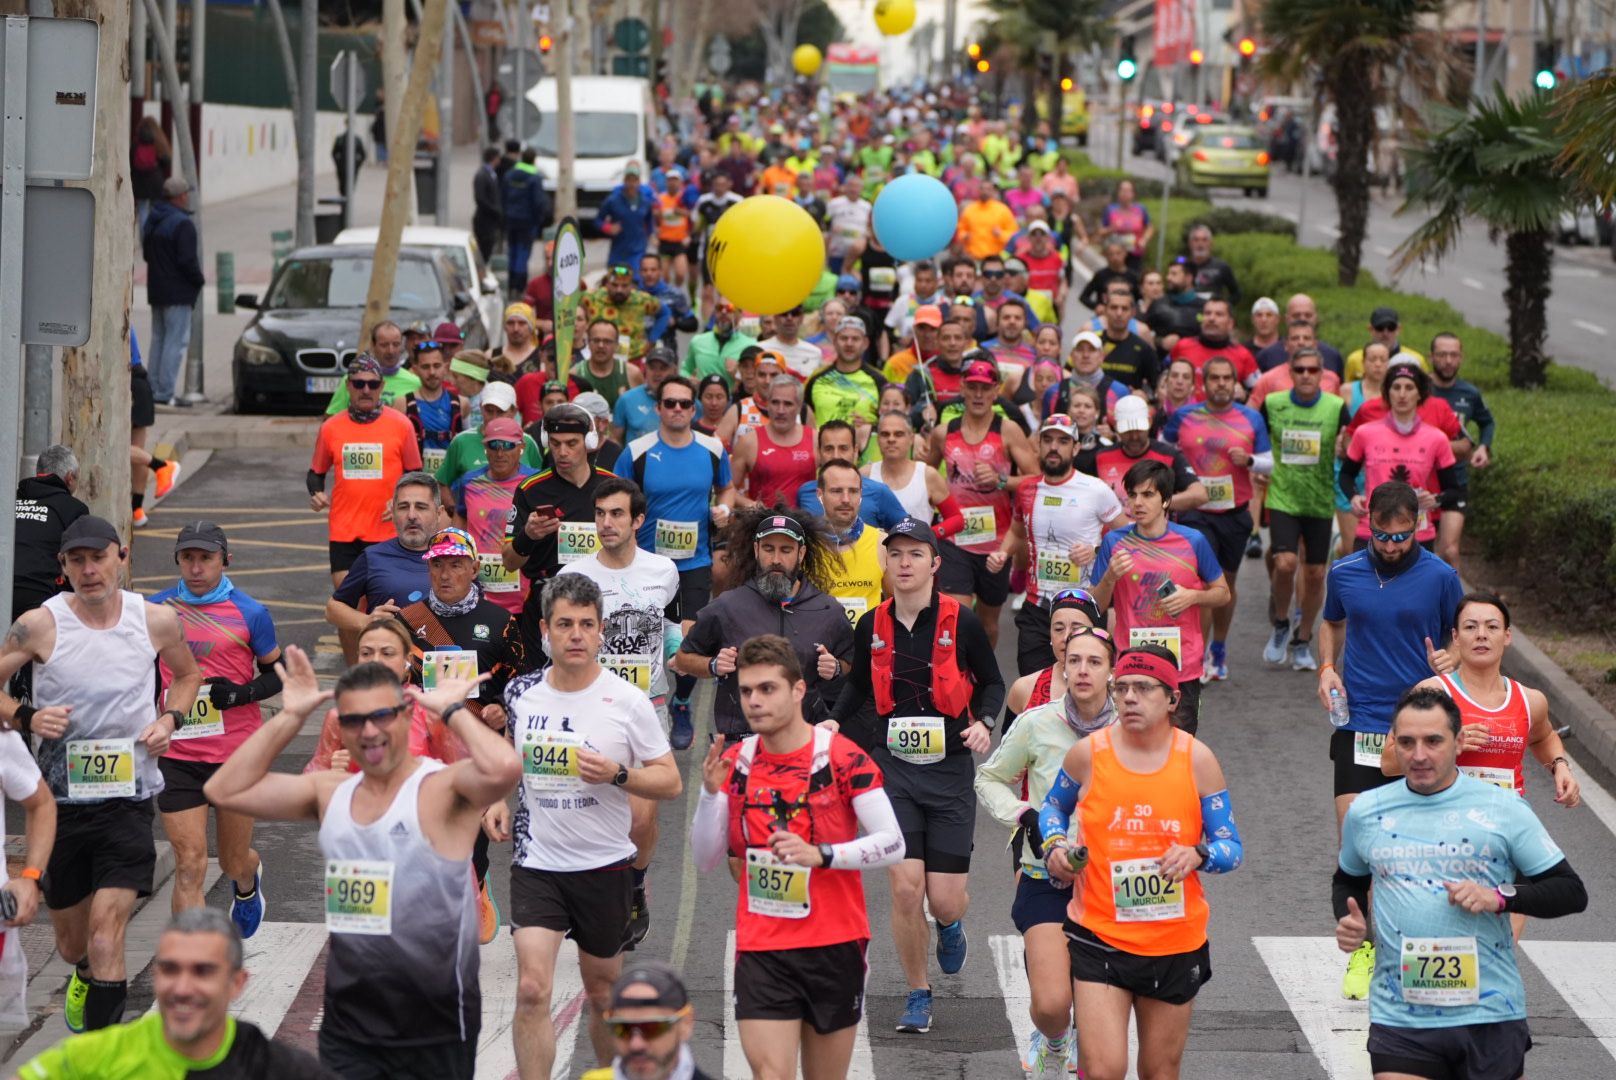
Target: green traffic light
1126	68
1545	79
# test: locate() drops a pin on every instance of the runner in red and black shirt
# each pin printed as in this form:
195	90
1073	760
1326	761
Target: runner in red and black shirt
789	800
1134	444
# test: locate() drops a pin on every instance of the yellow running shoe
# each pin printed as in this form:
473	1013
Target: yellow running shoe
1360	966
73	1008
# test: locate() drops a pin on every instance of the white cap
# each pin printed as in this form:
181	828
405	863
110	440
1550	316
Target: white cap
1039	225
594	404
1265	303
1133	414
1087	336
501	395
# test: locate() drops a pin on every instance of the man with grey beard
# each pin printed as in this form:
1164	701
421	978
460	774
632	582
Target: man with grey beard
786	568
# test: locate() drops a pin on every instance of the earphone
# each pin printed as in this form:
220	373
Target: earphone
591	439
224	551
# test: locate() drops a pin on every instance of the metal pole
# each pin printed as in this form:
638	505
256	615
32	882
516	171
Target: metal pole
1478	79
39	367
349	71
471	60
950	18
445	126
195	382
13	197
656	38
137	53
308	39
566	192
1167	187
519	96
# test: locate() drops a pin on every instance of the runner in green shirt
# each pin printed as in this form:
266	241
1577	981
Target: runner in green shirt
849	387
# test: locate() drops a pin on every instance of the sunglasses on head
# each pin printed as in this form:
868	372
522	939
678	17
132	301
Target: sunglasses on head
428	346
620	271
1093	631
379	716
1073	594
678	403
365	384
1389	537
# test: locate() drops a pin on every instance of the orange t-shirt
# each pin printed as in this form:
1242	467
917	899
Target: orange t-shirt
985	228
1129	820
369	459
673	219
776	177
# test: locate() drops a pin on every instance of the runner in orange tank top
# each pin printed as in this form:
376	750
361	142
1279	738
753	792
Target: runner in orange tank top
1154	814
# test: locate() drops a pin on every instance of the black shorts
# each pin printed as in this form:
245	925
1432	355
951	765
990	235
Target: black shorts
1187	714
1226	531
344	552
823	985
965	573
935	806
142	408
695	589
589	906
182	784
354	1060
672	249
1494	1051
1350	777
1285	531
1034	650
103	845
1173	979
1038	902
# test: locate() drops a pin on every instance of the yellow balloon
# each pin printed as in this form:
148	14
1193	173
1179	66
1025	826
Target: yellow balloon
806	59
894	17
766	254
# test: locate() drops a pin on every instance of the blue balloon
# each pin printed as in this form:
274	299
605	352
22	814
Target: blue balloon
915	217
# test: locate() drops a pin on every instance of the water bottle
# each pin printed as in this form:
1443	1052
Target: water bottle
1077	858
1340	715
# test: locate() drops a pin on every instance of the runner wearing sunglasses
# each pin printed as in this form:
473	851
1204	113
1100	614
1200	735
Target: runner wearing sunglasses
1067	610
651	1021
1012	785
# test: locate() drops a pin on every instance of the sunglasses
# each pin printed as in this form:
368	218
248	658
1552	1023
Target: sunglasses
1306	370
1074	594
993	273
1390	538
365	384
678	403
502	444
1091	631
428	346
649	1029
380	716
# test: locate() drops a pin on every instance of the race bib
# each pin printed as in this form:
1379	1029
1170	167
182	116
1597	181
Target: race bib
981	527
1300	447
919	740
850	233
203	720
751	325
494	578
1491	774
359	897
853	607
1219	492
677	539
1170	638
550	760
432	460
1440	971
1128	240
883	279
1366	749
576	540
1055	571
101	769
362	461
1141	894
629	668
624	345
775	888
441	665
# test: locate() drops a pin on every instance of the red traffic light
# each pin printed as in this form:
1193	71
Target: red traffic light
1247	47
545	43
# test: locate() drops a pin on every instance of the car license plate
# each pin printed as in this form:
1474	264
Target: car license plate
322	384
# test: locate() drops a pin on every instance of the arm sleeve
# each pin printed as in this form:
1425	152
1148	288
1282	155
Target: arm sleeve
1344	885
987	697
1347	479
1263	464
882	842
1485	422
996	787
659	325
1450	493
703	637
709	840
1224	849
953	518
1555	892
314	481
1055	818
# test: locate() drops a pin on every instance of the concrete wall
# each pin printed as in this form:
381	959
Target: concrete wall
248	150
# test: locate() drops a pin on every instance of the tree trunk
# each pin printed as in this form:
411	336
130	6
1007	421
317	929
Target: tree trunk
1352	87
1529	266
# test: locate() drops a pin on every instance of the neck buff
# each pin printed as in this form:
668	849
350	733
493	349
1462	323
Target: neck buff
1107	717
218	593
684	1070
463	606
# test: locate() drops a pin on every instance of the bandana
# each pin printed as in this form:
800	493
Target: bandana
365	362
214	596
463	606
1135	662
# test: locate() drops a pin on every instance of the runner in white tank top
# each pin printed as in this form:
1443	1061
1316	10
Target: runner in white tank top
916	502
925	492
95	711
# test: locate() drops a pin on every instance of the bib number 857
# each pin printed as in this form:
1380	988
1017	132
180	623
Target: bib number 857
774	879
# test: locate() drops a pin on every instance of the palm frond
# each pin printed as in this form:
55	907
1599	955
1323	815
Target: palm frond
1586	115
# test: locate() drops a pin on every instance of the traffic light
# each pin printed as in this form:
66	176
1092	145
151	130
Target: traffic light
1545	78
974	51
1066	84
546	43
1247	48
982	66
1127	66
1196	56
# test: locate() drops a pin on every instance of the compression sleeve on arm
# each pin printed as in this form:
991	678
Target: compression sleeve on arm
709	830
1263	464
314	481
1056	816
1224	849
673	635
1555	892
1344	886
953	518
1451	494
1347	481
229	695
882	842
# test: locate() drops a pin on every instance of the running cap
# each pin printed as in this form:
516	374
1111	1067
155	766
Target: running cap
1039	225
1059	422
1014	266
769	356
89	531
1089	337
522	311
501	395
1384	318
661	355
448	333
980	371
1140	662
1132	414
779	525
847	283
928	315
201	536
503	429
911	528
568	418
1079	600
595	405
451	543
852	322
667	988
175	186
1265	303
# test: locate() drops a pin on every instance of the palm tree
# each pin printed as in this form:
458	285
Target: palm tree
1350	46
1055	27
1498	163
1587	116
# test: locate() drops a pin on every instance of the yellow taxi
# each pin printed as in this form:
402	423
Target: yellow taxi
1224	155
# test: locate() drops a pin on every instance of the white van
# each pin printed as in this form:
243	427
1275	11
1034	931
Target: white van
613	124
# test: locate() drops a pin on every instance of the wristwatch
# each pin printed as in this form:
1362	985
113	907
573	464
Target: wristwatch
622	776
1204	852
179	717
450	710
1506	893
826	855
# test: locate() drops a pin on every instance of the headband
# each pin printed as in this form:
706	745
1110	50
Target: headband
1137	662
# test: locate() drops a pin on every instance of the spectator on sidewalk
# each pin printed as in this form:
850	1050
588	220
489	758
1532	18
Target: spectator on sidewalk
488	219
173	282
527	212
339	158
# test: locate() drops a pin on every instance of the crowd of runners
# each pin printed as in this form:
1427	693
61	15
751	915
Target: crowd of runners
824	512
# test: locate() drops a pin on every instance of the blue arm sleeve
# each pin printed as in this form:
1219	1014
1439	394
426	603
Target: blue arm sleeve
1056	816
1206	560
1224	850
659	325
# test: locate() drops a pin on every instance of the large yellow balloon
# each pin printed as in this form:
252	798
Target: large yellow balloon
806	59
893	17
766	254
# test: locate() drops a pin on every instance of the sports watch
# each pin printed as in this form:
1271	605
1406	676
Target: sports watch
1506	893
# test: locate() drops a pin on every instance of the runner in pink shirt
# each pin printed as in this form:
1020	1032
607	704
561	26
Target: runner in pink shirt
1403	447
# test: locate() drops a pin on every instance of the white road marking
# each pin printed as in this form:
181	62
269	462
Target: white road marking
1308	972
1383	251
1594	797
1592	328
1472	283
1582	979
862	1067
1010	965
278	959
1328	230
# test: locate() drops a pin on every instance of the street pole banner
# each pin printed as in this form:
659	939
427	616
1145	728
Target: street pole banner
1175	32
567	279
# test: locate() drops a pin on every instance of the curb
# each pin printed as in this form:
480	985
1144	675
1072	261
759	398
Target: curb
227	431
1593	725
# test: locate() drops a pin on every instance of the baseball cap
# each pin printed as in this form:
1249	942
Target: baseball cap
1088	336
852	322
592	403
661	355
1058	422
502	430
1132	414
1265	303
89	531
928	315
501	395
1014	266
448	332
1384	318
769	356
847	283
175	186
911	528
201	536
1039	225
779	525
980	371
451	543
631	169
667	987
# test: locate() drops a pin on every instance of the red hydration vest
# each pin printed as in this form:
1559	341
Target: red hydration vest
950	687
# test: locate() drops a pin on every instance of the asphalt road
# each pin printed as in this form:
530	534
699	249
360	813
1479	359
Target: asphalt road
1271	1011
1581	322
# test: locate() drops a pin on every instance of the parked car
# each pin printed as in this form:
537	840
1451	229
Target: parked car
1223	155
1152	116
461	247
1579	226
297	347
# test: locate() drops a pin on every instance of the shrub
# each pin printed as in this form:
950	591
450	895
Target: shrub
1228	221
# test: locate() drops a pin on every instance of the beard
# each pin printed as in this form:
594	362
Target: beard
1053	467
774	586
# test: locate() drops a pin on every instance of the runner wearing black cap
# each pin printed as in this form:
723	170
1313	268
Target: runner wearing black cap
651	1021
926	661
94	653
233	638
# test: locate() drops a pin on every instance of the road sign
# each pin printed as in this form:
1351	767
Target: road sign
58	261
718	58
60	100
631	35
338	81
639	66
